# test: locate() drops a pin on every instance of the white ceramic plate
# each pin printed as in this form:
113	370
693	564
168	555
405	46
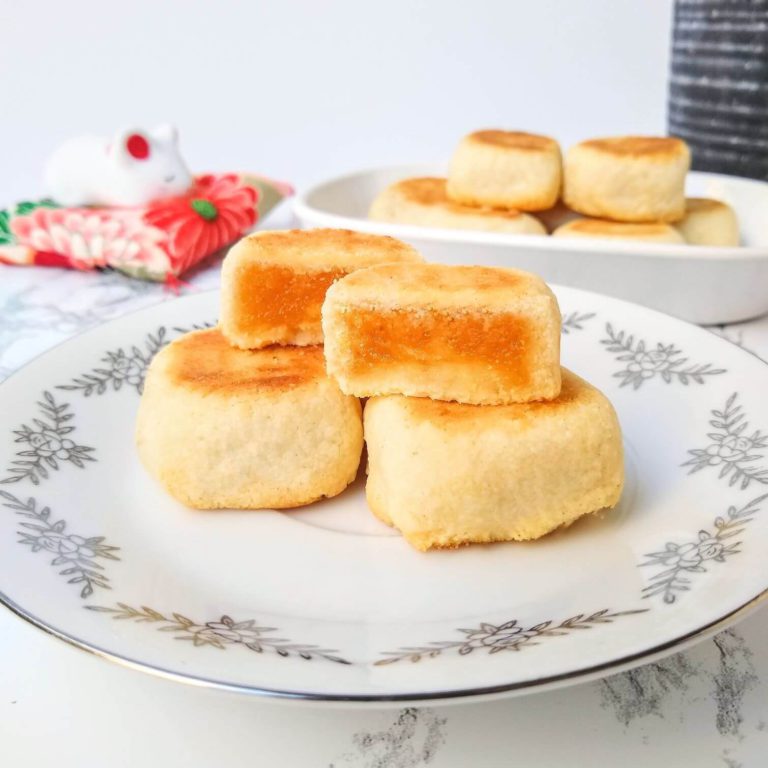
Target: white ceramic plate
326	602
678	279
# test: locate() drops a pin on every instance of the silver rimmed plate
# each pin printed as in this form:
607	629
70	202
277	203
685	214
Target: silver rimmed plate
327	603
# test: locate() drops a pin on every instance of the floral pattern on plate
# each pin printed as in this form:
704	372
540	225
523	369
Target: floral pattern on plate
574	321
121	366
680	559
48	444
220	633
126	365
646	362
76	553
509	636
731	449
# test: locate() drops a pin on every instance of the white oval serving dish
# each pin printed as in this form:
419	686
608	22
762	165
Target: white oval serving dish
706	285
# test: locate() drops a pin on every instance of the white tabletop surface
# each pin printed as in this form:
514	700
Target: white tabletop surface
60	706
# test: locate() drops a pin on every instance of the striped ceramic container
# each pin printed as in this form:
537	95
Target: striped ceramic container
718	93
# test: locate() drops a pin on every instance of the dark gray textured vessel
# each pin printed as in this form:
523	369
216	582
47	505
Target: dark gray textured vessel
718	90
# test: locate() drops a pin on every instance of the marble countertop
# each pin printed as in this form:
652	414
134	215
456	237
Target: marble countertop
58	706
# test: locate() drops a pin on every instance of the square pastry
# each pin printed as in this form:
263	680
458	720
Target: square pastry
273	283
447	474
479	335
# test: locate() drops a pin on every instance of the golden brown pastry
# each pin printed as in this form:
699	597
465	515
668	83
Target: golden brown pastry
506	169
273	283
472	334
447	474
223	427
423	202
708	222
656	232
627	178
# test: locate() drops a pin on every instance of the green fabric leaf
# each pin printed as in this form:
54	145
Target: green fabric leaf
20	209
204	208
6	236
27	206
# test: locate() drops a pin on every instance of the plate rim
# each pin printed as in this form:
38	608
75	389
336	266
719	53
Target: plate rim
549	682
479	693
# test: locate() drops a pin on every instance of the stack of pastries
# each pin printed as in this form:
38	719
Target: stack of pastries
474	431
244	415
628	187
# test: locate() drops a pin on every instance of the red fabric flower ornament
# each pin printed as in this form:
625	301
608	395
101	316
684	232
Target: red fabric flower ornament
216	211
159	241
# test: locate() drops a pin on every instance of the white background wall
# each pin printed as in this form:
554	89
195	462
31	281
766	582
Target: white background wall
303	90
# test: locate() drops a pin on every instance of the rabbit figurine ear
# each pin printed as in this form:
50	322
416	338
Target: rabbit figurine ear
166	133
130	146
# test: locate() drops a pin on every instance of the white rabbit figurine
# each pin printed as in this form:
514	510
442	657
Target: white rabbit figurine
130	170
